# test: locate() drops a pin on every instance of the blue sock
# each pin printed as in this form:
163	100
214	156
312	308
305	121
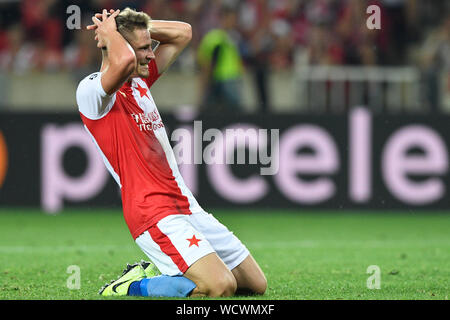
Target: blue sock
134	289
162	286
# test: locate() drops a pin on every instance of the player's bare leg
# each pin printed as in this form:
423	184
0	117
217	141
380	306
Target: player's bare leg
249	277
212	277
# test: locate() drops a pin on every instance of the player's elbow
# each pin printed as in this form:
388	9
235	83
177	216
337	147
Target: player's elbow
125	63
129	64
185	32
188	31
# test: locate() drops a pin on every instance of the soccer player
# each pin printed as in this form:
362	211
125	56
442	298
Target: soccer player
195	253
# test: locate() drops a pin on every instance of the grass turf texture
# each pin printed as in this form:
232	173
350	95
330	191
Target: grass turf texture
305	255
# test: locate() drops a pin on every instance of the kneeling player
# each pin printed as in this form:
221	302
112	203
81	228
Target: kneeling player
195	253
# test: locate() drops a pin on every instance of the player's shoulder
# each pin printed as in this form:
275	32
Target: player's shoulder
93	102
91	84
90	79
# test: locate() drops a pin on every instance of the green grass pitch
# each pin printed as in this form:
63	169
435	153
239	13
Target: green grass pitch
304	254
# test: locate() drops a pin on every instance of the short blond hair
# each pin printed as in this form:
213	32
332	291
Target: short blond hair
129	20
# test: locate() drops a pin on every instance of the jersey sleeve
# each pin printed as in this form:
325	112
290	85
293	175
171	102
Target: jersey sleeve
153	73
93	102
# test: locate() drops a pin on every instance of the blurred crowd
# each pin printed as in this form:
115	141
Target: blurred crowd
34	34
268	34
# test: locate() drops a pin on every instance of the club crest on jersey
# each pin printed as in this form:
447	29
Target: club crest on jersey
149	121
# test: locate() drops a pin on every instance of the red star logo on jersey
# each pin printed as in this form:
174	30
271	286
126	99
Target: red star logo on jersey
142	91
193	241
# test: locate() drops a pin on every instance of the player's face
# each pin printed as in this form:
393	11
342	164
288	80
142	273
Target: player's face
141	42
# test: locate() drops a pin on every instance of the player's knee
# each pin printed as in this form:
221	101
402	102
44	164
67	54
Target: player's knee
260	285
224	286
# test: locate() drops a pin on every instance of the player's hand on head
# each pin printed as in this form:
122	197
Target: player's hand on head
98	16
104	24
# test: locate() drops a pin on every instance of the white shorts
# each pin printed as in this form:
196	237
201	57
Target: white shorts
177	241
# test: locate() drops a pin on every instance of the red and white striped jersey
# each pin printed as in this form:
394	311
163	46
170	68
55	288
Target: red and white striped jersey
129	133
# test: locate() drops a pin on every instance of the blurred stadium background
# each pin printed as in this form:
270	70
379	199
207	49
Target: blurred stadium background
362	116
281	44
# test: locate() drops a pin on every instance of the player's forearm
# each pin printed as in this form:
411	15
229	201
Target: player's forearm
120	53
171	32
121	62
